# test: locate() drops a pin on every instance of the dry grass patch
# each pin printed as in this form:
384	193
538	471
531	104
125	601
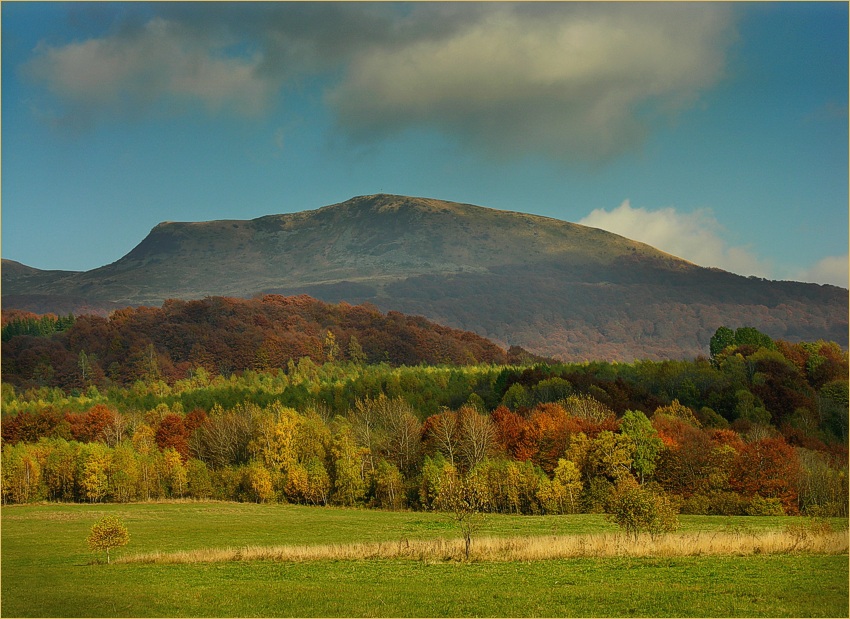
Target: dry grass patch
791	540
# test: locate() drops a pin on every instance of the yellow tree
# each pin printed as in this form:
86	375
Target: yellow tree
348	466
561	495
109	532
260	481
174	472
92	471
274	442
144	442
21	474
318	482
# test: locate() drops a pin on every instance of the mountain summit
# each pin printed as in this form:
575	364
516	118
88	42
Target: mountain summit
553	287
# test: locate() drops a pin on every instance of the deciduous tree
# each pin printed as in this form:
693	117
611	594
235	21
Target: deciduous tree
639	509
108	533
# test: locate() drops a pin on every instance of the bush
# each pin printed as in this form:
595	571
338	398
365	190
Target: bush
596	497
726	504
638	509
764	507
696	504
827	510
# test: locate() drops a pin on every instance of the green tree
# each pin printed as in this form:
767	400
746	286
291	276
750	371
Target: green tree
355	351
750	336
348	466
721	340
637	509
198	479
109	532
647	445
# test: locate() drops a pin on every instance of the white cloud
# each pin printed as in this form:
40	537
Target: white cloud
830	270
696	236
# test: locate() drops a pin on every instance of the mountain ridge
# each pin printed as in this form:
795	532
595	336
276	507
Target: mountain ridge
554	287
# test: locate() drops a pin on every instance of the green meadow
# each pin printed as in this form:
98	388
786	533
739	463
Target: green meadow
48	570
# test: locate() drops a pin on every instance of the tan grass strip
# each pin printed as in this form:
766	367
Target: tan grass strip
524	548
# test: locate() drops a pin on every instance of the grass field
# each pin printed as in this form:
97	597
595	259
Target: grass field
48	571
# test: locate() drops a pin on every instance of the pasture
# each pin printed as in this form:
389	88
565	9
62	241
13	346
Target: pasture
48	571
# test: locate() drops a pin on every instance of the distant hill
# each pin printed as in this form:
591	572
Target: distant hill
226	335
553	287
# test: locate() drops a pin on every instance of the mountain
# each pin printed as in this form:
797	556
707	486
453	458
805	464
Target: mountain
553	287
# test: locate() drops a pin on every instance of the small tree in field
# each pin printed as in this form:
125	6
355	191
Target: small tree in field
109	532
464	500
638	509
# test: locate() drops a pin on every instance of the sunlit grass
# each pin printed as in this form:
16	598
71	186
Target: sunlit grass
48	570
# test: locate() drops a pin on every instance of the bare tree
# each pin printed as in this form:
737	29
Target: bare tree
587	407
403	445
225	436
463	499
444	434
477	436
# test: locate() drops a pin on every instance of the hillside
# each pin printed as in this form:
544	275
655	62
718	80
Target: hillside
225	335
553	287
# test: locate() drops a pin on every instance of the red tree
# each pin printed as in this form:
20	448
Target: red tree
91	426
514	435
769	468
172	433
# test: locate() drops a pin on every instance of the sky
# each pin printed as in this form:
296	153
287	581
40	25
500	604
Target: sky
716	132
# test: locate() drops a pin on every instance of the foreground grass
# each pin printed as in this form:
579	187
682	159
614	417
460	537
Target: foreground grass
48	571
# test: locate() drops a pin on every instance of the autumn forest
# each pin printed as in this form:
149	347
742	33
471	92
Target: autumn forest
288	399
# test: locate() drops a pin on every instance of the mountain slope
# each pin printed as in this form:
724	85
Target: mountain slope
553	287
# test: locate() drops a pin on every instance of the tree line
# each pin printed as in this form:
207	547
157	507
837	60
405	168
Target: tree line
758	427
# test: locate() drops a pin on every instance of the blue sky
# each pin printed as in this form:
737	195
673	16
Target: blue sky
716	132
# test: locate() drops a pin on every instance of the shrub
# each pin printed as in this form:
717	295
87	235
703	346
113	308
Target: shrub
696	504
639	509
832	509
760	506
722	503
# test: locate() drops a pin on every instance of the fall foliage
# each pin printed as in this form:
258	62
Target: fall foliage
109	532
705	436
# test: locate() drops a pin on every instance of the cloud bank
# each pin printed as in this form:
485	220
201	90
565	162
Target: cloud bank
573	81
698	238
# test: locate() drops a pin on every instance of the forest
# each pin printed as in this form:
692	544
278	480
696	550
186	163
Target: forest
293	400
